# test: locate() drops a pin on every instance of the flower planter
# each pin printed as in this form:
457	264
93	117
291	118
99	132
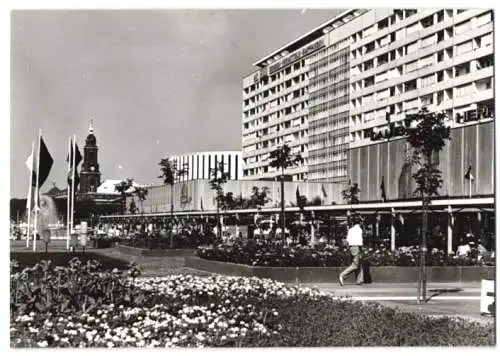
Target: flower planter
135	251
387	274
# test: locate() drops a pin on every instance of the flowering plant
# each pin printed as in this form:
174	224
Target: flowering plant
215	311
324	255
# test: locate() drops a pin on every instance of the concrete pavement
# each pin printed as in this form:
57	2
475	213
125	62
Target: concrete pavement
460	300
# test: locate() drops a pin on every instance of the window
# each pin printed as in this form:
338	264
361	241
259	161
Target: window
381	77
370	30
464	47
413	28
369	81
485	62
428	80
410	85
484	19
487	40
383	24
383	95
484	84
383	59
462	91
411	66
462	69
428	41
368	99
369	116
411	104
369	64
369	47
428	21
427	61
463	27
412	47
427	99
440	16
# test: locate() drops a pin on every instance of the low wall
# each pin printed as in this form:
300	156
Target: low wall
135	251
330	274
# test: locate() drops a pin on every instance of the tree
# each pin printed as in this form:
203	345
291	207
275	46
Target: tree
219	178
351	196
132	207
171	174
428	138
281	158
122	188
259	198
141	193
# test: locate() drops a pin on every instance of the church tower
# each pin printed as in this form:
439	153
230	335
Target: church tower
90	177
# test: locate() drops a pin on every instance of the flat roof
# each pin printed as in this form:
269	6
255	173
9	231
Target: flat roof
311	35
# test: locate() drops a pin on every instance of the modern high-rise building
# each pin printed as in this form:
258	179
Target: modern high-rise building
340	95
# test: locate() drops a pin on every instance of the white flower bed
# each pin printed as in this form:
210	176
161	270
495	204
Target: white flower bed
195	312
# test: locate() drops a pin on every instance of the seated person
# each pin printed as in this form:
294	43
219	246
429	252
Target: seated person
463	249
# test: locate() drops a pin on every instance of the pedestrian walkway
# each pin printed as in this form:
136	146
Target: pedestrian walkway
446	299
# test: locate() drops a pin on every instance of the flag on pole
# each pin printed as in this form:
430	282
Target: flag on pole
382	190
297	194
468	175
201	204
78	158
323	190
45	163
32	183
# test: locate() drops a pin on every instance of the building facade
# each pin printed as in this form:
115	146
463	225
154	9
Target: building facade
199	164
340	94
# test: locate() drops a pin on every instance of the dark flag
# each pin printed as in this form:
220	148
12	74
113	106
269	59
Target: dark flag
468	175
382	190
201	204
78	159
297	195
323	190
44	164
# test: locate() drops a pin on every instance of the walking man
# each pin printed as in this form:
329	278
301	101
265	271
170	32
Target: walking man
355	242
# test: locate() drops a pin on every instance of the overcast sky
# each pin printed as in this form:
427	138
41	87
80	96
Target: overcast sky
156	83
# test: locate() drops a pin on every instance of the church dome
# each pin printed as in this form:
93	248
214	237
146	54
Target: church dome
90	140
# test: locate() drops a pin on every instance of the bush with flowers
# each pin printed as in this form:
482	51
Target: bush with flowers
324	255
190	311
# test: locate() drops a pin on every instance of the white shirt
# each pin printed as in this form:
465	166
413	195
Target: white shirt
355	236
463	250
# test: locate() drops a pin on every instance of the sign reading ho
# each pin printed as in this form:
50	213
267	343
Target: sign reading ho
295	56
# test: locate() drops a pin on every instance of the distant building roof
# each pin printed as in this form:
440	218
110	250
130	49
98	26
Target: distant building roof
108	187
54	191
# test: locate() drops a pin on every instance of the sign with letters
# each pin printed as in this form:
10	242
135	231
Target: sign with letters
296	56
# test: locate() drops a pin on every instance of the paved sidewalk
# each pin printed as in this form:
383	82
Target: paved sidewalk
460	300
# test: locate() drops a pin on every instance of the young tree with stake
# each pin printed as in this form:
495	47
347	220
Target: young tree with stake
281	158
428	138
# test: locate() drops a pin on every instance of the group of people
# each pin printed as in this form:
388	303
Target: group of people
150	227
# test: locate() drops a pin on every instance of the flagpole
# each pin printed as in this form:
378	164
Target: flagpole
69	194
37	189
73	184
30	191
470	187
